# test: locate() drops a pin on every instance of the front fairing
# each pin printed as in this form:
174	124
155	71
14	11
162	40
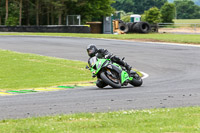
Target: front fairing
92	61
97	64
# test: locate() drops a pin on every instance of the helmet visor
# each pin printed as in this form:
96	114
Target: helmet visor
91	52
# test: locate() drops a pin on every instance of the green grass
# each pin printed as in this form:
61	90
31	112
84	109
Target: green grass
24	71
177	38
19	71
186	20
177	120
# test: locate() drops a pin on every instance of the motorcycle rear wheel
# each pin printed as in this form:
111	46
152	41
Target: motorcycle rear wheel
137	80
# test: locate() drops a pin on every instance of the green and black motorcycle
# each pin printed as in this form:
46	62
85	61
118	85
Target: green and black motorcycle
110	73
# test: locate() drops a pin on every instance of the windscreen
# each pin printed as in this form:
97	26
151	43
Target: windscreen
92	61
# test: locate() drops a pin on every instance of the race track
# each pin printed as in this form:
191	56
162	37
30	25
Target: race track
173	80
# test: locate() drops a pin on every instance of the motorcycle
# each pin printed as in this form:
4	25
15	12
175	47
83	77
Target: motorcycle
112	74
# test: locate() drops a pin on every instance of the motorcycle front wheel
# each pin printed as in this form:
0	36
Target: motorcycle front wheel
100	84
115	83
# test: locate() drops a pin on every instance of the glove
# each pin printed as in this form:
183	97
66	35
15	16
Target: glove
108	56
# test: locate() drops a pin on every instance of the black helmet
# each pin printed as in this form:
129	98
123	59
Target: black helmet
91	50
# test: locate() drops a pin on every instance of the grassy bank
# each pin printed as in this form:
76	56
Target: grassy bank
18	71
24	71
176	38
186	21
179	120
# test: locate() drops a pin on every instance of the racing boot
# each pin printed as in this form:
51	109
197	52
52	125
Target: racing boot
128	68
121	62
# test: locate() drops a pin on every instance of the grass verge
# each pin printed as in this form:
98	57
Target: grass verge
179	120
19	71
176	38
23	71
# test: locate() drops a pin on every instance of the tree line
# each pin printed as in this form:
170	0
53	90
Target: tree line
54	12
165	14
185	9
197	2
137	6
51	12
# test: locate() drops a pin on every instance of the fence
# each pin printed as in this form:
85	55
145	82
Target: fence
73	20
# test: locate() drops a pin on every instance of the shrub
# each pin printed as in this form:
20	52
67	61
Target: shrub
168	12
152	16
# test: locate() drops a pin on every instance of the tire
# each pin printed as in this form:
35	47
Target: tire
109	82
137	80
101	84
141	27
130	26
123	27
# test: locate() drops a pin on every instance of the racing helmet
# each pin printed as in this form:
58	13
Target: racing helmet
91	50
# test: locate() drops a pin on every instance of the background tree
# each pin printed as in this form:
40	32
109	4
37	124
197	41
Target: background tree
6	18
137	6
59	8
142	5
186	9
197	2
37	5
167	12
92	10
26	12
126	5
20	12
48	10
152	16
0	12
13	11
54	12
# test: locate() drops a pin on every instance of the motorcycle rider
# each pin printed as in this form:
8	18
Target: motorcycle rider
103	53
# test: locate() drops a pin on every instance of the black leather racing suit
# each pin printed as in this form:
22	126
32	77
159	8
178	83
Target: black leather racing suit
103	53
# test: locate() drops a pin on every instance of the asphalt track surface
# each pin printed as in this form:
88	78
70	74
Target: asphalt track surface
173	80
